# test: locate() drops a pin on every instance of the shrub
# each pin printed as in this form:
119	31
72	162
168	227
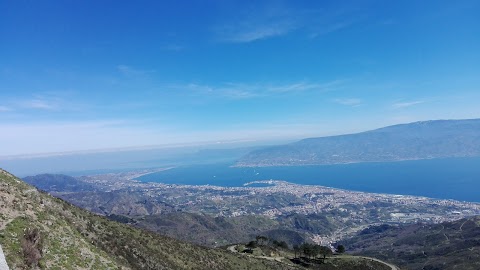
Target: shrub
32	247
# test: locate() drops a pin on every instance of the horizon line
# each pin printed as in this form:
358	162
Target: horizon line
192	144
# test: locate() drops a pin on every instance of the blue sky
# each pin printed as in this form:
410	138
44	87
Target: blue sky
77	75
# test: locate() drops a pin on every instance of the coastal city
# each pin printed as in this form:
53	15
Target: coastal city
346	212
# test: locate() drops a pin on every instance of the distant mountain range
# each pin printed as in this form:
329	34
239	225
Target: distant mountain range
419	140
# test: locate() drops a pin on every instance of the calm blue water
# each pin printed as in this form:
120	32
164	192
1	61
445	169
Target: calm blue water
454	178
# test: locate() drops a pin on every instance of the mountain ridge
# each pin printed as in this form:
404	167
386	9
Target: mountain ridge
412	141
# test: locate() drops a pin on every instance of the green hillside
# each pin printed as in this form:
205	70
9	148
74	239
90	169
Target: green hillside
40	231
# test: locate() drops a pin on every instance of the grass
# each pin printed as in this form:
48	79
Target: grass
77	239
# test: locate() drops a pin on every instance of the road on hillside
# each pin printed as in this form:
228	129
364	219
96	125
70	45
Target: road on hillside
393	267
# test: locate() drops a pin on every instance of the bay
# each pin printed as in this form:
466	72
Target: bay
452	178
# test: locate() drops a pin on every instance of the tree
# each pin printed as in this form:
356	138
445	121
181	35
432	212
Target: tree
340	249
261	240
283	244
316	250
296	249
325	251
307	249
251	244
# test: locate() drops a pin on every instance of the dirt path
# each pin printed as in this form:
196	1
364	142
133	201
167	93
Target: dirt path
461	226
3	262
232	248
393	267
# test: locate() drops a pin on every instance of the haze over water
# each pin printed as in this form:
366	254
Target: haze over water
453	178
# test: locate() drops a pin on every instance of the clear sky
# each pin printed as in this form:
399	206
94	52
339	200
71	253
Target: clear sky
78	75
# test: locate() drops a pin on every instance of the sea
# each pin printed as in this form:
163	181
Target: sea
451	178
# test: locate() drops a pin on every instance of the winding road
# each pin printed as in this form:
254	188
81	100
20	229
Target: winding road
393	267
